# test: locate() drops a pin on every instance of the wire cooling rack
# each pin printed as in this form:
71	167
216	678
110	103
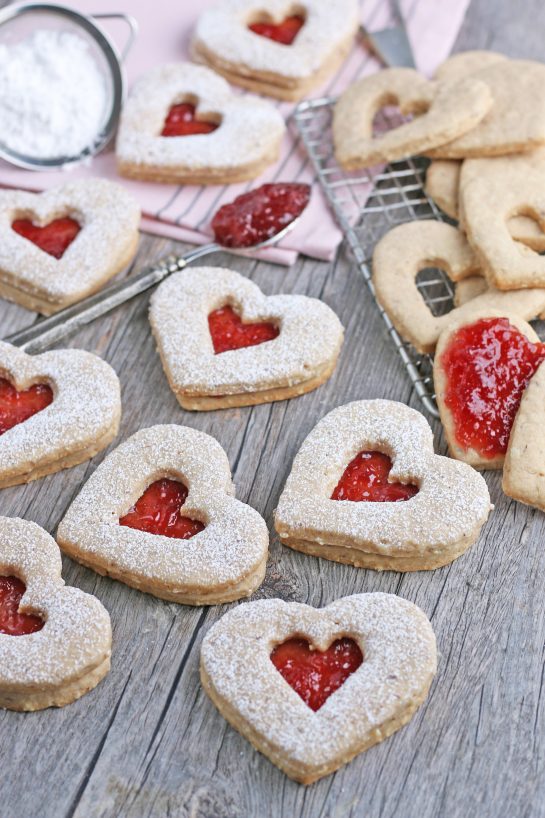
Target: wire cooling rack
367	204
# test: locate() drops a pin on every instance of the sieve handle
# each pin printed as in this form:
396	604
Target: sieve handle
131	23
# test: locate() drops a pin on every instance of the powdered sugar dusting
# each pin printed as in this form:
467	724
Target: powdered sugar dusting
399	653
310	334
232	545
452	502
76	636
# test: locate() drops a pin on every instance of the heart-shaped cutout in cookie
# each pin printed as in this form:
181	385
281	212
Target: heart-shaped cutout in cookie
55	641
61	245
223	560
57	409
182	120
53	238
12	621
298	45
301	340
244	143
383	682
228	331
284	32
411	247
316	674
429	529
366	479
17	406
158	511
438	109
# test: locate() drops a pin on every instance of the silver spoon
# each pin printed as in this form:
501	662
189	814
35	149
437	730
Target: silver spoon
49	331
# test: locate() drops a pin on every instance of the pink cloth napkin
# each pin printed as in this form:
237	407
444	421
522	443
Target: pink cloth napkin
184	212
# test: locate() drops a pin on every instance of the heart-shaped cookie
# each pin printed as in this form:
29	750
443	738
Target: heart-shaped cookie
215	552
276	47
247	137
483	364
62	245
418	531
411	247
439	109
396	642
56	410
291	348
55	642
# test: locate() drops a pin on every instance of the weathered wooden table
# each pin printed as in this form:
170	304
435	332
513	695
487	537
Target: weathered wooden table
148	742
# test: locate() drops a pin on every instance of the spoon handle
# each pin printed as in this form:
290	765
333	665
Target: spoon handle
49	331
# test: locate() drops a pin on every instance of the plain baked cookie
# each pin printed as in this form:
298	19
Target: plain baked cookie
289	344
418	531
222	559
108	219
80	420
441	110
224	41
246	140
392	636
411	247
55	646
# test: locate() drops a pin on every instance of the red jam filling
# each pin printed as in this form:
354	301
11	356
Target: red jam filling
54	238
16	407
158	511
259	214
12	622
366	479
315	675
229	332
487	367
284	32
181	121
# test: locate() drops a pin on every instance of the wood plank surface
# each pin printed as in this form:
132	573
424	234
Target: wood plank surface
147	742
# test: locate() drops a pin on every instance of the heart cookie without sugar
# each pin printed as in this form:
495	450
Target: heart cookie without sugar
330	506
160	515
59	246
57	409
276	47
223	343
55	641
310	714
440	109
151	144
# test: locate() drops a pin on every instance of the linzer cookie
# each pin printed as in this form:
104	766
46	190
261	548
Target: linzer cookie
57	409
62	245
273	47
411	247
312	688
482	367
223	343
183	124
441	110
466	64
55	641
160	515
366	488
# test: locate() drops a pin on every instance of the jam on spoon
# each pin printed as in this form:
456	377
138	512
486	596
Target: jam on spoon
181	121
54	238
284	32
260	214
366	479
158	511
487	365
13	623
16	407
315	674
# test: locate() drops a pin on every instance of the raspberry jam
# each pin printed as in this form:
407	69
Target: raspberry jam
158	511
181	121
366	479
16	407
487	367
284	32
259	214
229	332
315	675
54	238
12	622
